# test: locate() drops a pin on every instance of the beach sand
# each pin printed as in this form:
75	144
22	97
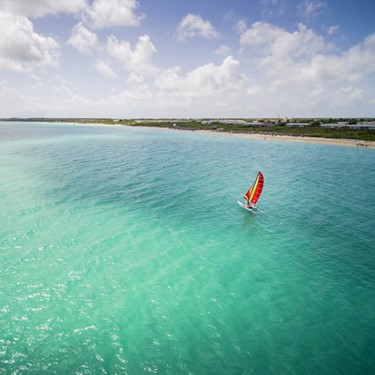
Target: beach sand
286	138
272	137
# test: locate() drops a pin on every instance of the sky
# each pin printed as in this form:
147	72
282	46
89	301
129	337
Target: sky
187	58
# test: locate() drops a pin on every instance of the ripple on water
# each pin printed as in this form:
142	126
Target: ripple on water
124	251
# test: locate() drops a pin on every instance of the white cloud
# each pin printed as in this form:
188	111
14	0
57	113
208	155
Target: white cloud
10	100
303	72
205	80
351	66
240	26
21	47
193	25
348	96
138	92
39	8
137	59
112	13
333	30
297	71
82	39
103	68
277	43
311	8
285	56
274	7
223	50
135	80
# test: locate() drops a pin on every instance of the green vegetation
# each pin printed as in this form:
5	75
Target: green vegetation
314	130
311	127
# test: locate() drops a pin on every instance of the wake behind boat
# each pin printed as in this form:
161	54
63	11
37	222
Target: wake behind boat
253	194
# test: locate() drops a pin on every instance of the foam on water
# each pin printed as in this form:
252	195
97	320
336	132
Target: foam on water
124	251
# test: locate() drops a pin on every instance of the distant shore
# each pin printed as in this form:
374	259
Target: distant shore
265	136
277	137
294	138
268	134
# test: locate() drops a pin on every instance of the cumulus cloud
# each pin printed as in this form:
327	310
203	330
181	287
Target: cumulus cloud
347	96
204	80
240	26
137	59
350	66
41	8
298	71
10	99
21	47
82	39
102	67
138	90
278	43
135	80
282	54
333	29
223	50
110	13
193	25
207	89
311	8
304	63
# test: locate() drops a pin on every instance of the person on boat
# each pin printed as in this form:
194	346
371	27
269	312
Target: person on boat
249	206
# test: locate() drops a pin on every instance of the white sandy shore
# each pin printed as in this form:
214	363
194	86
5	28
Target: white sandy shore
285	138
272	137
289	138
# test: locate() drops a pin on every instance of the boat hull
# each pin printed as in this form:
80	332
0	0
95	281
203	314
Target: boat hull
244	206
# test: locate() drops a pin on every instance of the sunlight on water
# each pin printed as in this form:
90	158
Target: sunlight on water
124	251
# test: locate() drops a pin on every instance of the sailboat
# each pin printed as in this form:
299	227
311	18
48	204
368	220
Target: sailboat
253	194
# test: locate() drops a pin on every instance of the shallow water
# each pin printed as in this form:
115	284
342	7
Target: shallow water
124	251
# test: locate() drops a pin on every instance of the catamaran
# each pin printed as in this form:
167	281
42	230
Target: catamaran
253	194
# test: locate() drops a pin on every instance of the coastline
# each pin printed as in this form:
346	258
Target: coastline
279	138
288	138
259	136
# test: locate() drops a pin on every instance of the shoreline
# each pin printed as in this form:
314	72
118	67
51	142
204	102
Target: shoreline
275	137
261	136
256	136
290	138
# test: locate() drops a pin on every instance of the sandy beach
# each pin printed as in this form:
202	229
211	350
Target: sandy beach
286	138
272	137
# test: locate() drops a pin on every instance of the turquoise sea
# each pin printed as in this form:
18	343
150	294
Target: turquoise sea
123	251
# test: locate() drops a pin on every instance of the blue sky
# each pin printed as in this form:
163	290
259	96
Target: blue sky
191	58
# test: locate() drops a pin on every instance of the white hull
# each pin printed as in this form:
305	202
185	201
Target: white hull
244	205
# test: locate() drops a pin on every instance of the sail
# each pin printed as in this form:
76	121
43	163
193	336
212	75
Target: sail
255	190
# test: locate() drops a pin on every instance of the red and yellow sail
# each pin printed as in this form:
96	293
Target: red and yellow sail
255	190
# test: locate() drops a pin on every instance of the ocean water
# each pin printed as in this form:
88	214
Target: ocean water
123	251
